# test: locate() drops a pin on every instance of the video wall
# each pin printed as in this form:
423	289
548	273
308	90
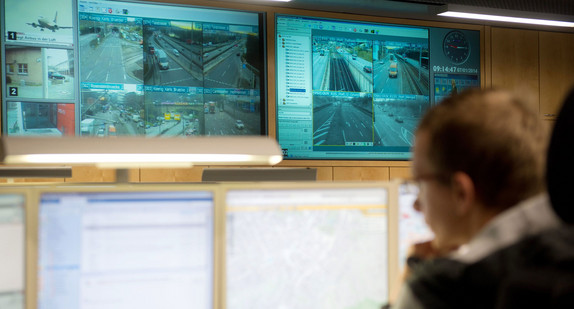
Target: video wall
352	90
110	68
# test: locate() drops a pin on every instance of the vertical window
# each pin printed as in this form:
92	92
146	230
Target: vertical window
23	68
10	68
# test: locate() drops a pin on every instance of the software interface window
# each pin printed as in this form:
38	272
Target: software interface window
126	250
12	251
307	248
356	90
127	68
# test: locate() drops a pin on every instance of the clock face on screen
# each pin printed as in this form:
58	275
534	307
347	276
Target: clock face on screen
456	47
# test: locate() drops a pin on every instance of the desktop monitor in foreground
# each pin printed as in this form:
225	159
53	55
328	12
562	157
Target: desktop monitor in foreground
12	250
412	226
126	248
307	245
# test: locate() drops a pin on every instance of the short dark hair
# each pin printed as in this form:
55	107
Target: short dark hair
492	136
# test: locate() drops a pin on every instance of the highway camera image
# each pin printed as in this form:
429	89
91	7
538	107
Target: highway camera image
172	53
158	77
401	68
231	115
111	49
231	57
368	93
342	64
343	120
396	120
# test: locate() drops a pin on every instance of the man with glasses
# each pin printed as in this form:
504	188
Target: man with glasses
479	161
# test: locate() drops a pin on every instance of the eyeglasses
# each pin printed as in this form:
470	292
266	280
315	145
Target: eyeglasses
409	187
413	186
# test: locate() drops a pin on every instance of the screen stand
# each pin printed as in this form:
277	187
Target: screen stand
122	175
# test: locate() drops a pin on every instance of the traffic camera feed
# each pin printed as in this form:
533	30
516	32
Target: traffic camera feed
187	68
356	90
143	69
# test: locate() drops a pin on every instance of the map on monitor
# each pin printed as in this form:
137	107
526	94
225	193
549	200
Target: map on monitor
307	247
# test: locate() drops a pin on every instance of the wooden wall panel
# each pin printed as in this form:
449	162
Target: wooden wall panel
486	75
324	173
172	174
514	61
92	174
360	173
157	175
194	174
400	173
556	70
189	174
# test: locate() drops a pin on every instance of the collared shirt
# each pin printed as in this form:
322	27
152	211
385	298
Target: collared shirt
529	217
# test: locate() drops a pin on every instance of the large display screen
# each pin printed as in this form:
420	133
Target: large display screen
350	90
307	248
109	68
12	250
126	250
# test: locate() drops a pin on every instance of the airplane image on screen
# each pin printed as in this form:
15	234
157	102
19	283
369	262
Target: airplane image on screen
44	23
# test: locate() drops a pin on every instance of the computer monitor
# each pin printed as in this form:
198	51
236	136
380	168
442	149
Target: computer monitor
12	242
138	68
138	246
355	90
412	226
307	245
259	174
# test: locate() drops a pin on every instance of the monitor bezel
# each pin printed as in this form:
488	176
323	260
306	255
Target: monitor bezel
367	19
27	193
76	99
391	188
32	223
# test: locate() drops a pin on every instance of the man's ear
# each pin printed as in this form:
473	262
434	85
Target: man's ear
464	192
